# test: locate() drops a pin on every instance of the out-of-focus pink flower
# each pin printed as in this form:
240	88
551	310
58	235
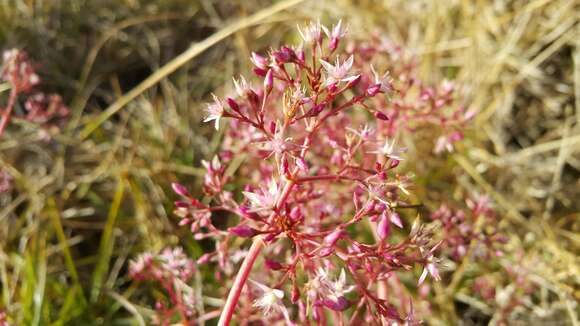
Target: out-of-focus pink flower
335	35
390	150
5	181
18	71
269	300
339	72
264	198
311	33
214	111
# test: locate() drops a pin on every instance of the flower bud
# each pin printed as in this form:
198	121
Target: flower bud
373	90
353	82
180	189
243	231
340	304
384	227
259	72
380	115
333	44
270	237
259	61
273	265
180	204
296	214
396	219
315	111
247	213
269	81
300	56
233	104
332	88
302	164
331	239
284	55
204	259
326	251
295	294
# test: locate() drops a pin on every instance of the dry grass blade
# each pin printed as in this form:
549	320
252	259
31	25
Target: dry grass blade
129	306
182	59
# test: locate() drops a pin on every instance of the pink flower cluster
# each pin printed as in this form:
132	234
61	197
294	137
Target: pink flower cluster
20	74
475	227
4	319
507	290
171	269
5	182
18	71
314	145
417	104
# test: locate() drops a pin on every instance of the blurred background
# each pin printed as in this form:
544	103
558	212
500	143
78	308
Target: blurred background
86	196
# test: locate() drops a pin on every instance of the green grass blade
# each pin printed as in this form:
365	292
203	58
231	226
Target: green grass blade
107	242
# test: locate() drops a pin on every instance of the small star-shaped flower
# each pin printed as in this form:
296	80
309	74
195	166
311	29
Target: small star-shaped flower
339	72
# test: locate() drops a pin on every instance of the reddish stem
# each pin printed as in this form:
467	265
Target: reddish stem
240	281
8	110
247	264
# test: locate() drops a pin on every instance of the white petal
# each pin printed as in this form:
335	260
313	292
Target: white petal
327	66
348	63
254	198
423	276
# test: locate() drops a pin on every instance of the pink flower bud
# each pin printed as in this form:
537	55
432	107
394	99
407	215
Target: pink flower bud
269	81
396	219
326	251
259	72
194	228
247	213
272	127
270	237
300	55
259	61
273	265
315	110
333	44
380	115
180	189
456	136
384	227
295	294
331	239
243	231
340	304
302	164
373	90
180	204
204	259
353	82
284	55
233	104
332	88
296	214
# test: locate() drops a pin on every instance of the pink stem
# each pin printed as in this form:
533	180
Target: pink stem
8	110
240	281
247	264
